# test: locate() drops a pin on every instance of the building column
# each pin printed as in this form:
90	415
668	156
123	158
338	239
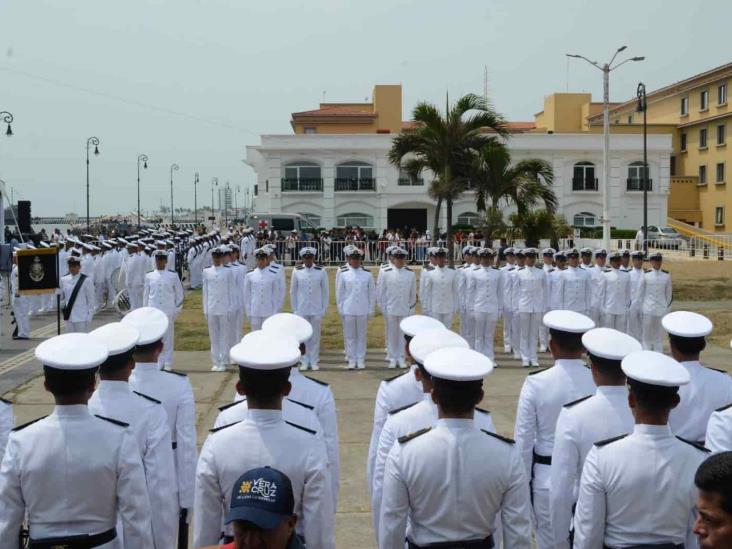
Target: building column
328	217
272	184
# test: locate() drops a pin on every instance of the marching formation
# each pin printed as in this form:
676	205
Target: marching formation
611	443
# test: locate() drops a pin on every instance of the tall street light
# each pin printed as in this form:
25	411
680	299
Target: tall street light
195	199
7	118
140	158
606	68
214	182
173	168
89	142
643	107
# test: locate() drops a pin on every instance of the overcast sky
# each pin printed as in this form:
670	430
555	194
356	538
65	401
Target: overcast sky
194	81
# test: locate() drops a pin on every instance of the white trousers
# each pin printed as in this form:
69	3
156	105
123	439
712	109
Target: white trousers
507	319
99	288
445	318
484	325
21	310
543	336
616	322
529	336
233	324
110	294
595	315
652	337
135	293
354	337
516	332
255	322
467	326
217	332
394	337
166	356
634	325
542	520
312	345
76	327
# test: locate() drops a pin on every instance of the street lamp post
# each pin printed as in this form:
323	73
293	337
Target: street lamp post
173	168
643	106
8	119
226	204
195	199
606	68
214	182
89	142
140	158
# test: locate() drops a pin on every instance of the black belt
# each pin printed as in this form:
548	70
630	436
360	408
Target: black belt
652	546
175	446
485	543
84	541
542	460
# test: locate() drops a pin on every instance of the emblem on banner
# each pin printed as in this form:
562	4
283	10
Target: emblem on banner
36	272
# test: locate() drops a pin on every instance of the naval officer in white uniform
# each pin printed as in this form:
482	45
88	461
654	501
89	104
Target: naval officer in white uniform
163	290
309	297
397	296
653	298
77	298
356	302
440	294
218	290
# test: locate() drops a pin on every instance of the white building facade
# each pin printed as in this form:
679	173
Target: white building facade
344	180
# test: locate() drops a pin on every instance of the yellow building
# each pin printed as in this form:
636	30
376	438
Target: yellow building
696	113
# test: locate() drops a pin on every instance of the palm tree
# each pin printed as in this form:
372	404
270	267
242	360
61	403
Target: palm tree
445	146
497	183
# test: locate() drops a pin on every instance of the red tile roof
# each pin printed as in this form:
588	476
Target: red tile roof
335	112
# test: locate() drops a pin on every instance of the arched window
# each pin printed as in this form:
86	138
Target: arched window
468	218
583	177
635	176
302	176
355	176
584	219
364	221
313	219
406	180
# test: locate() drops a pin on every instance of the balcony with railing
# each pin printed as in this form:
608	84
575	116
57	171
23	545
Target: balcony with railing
359	184
410	182
636	184
299	184
584	184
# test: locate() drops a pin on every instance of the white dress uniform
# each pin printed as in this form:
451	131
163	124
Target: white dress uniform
397	295
163	290
149	422
507	307
356	301
135	270
719	430
282	287
114	262
555	295
422	281
84	306
614	298
441	296
236	318
532	296
293	411
467	320
634	315
595	272
551	281
262	291
309	297
485	294
653	297
218	289
194	267
575	290
7	422
20	304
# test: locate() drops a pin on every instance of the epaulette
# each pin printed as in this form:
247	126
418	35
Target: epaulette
717	370
251	271
217	429
227	266
646	270
392	378
499	437
511	269
343	268
606	270
407	269
522	268
392	412
383	266
21	427
695	445
387	269
115	421
412	436
365	269
482	410
308	406
299	267
317	267
496	268
570	404
723	408
607	441
275	271
231	404
175	372
317	381
148	397
551	270
664	270
538	371
430	267
301	427
449	267
5	400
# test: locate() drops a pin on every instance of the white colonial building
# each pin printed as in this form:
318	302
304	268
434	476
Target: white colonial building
338	180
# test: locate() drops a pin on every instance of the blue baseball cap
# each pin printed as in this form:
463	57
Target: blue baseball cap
263	497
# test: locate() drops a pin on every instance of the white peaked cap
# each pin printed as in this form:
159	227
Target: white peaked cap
150	322
457	364
263	350
429	341
119	338
288	324
568	321
74	351
687	324
655	368
414	324
610	344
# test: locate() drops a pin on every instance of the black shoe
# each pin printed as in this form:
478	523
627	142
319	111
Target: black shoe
19	337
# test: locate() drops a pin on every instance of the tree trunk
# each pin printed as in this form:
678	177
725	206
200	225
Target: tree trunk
436	223
450	243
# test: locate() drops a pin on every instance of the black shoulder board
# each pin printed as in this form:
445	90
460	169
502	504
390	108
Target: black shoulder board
392	378
607	270
402	408
155	400
538	371
249	271
512	268
365	269
317	381
5	400
301	427
496	268
482	410
718	370
175	372
115	421
449	267
696	445
227	266
550	270
217	429
387	269
21	427
646	270
412	436
302	404
723	408
570	404
407	269
607	441
299	267
499	437
665	271
521	268
273	271
429	267
317	267
231	404
343	268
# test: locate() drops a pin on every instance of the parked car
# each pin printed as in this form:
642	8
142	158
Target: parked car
664	237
